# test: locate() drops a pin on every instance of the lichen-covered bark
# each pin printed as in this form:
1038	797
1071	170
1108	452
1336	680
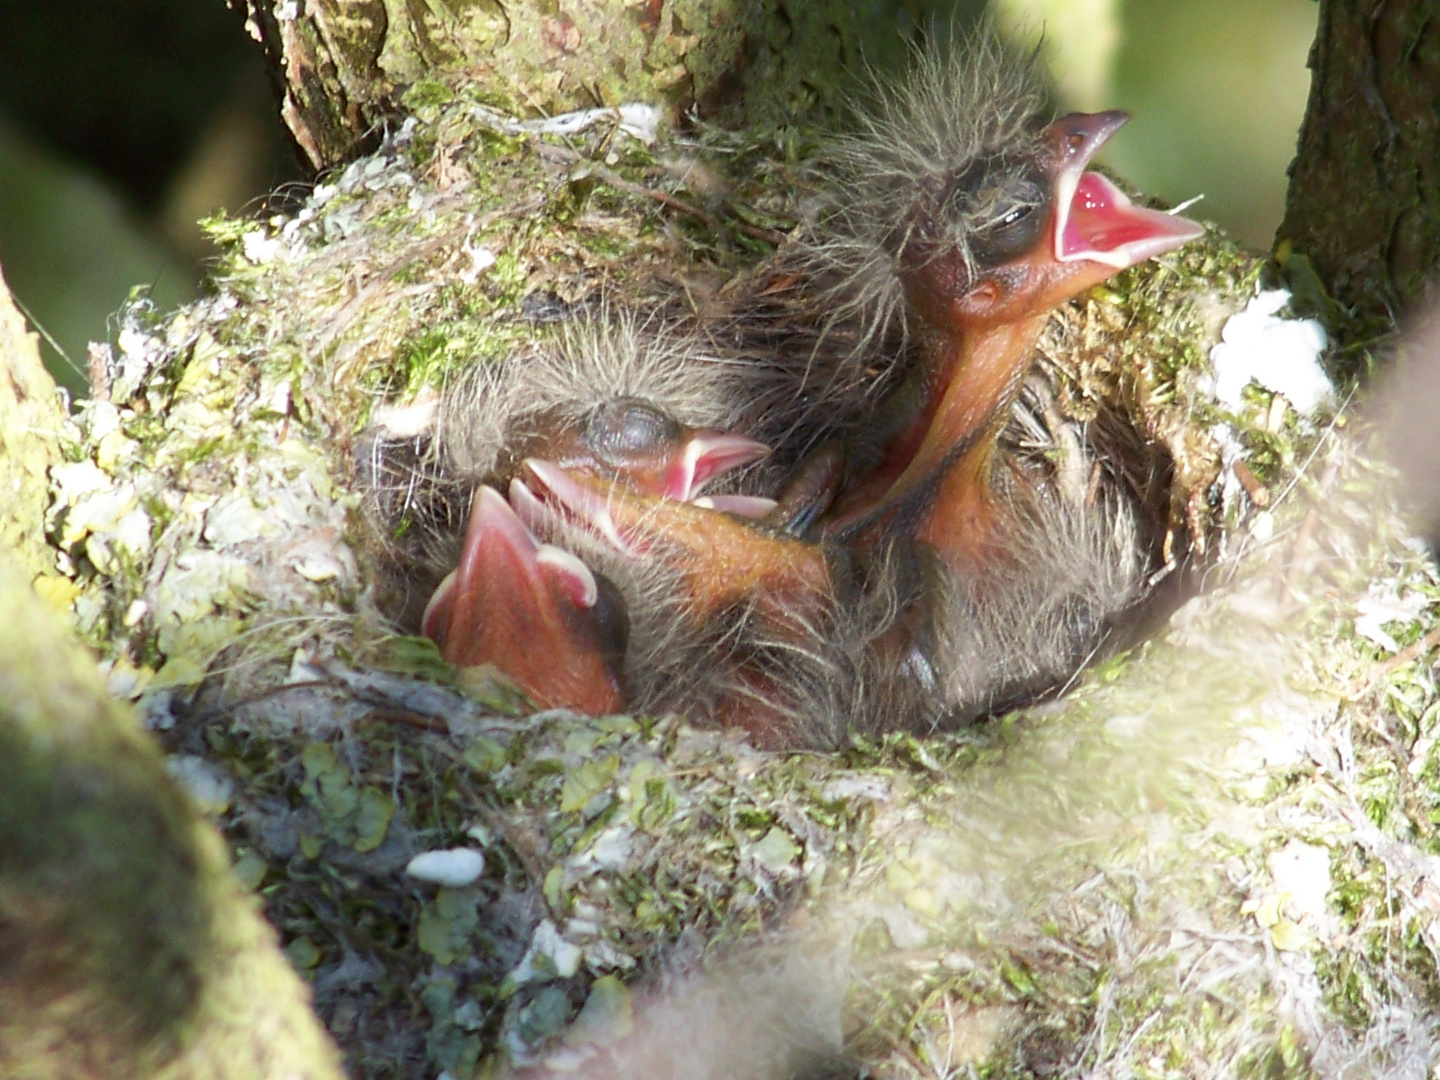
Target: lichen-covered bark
1364	199
30	422
344	66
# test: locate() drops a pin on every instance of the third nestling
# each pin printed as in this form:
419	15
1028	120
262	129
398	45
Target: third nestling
911	572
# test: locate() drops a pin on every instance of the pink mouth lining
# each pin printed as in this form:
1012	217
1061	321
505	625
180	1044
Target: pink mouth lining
1102	224
1094	219
706	456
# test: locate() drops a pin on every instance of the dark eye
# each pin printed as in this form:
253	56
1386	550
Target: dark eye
1014	217
999	203
624	429
1016	228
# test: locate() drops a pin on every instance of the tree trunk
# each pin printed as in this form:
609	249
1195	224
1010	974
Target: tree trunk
31	419
344	68
1364	198
127	949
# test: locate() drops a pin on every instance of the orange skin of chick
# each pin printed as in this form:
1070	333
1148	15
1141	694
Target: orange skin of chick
945	457
983	338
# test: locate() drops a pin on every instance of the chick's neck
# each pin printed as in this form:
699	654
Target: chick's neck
940	465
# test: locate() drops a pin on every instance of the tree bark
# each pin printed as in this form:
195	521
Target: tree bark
344	68
1364	198
31	418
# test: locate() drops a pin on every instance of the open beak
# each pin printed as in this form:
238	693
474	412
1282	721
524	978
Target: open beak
1094	219
1097	231
544	489
526	609
706	455
721	558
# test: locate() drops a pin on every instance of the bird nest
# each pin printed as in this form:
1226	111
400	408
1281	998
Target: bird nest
1213	856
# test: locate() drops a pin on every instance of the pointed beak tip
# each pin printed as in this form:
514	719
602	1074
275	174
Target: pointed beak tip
576	500
728	450
487	500
1079	136
753	507
434	621
710	454
493	520
1099	223
553	481
528	506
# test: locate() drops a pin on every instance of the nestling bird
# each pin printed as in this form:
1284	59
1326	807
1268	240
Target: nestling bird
909	574
530	610
533	610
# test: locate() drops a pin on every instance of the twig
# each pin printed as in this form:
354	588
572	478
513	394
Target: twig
1410	652
1258	492
1297	552
381	707
615	180
411	719
214	712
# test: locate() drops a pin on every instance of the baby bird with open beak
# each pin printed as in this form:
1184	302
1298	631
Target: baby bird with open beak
537	612
933	580
982	258
629	405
